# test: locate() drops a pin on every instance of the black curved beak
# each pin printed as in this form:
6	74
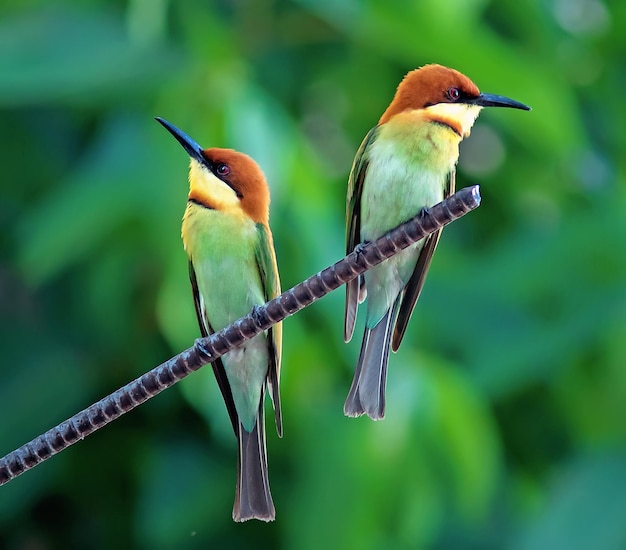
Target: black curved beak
492	100
190	145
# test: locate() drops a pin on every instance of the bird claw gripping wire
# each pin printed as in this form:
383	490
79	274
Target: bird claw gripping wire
204	352
359	249
259	315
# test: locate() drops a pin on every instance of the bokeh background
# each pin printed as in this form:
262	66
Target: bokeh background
507	402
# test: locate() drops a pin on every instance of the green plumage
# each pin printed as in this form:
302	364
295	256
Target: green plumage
401	167
233	269
234	272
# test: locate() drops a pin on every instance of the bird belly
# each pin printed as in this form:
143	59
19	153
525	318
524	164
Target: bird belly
222	253
395	190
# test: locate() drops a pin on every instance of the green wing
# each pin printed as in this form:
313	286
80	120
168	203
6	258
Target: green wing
218	366
268	272
416	282
355	289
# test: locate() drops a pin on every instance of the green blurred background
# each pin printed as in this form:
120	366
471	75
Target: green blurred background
506	404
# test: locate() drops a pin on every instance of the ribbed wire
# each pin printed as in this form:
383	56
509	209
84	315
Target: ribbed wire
208	349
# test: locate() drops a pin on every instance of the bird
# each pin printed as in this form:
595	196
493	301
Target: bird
405	163
232	268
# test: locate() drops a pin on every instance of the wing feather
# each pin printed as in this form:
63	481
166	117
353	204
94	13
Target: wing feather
268	272
355	289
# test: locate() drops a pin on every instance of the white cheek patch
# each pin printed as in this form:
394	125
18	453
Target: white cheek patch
462	113
211	186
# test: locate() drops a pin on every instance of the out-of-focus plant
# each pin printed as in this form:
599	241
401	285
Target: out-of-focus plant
516	442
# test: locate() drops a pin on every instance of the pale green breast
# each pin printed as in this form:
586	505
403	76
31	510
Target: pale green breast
221	247
408	168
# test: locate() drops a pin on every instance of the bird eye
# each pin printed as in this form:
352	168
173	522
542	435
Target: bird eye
453	94
222	169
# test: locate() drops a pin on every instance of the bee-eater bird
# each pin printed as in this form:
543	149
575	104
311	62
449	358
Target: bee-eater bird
232	267
405	163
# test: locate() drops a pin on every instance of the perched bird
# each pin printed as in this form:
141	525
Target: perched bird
405	163
232	267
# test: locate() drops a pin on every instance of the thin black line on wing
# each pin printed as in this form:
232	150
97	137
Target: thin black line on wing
355	289
218	366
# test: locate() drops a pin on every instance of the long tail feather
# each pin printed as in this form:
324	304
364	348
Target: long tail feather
253	499
367	393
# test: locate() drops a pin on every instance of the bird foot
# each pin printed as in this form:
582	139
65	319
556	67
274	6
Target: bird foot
203	351
258	314
360	248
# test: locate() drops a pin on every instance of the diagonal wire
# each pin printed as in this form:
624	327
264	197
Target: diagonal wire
261	318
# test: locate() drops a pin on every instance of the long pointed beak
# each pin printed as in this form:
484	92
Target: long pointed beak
189	144
492	100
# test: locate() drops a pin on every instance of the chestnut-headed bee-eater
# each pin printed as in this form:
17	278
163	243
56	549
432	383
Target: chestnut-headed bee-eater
232	267
405	163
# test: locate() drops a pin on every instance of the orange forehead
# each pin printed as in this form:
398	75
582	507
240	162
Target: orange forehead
246	178
427	86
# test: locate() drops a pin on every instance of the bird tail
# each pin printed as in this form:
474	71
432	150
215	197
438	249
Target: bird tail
367	393
253	499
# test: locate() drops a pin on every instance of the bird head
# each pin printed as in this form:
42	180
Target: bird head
446	95
224	179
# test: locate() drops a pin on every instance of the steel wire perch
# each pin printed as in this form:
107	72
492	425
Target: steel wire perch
261	318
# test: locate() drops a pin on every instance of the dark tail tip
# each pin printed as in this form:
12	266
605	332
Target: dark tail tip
253	499
367	393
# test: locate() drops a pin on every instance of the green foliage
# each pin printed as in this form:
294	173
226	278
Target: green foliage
506	402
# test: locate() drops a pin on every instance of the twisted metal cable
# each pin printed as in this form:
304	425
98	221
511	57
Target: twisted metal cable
208	349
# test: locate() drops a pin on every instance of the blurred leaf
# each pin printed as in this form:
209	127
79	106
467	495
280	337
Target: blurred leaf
182	497
510	378
111	189
71	55
586	508
465	435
